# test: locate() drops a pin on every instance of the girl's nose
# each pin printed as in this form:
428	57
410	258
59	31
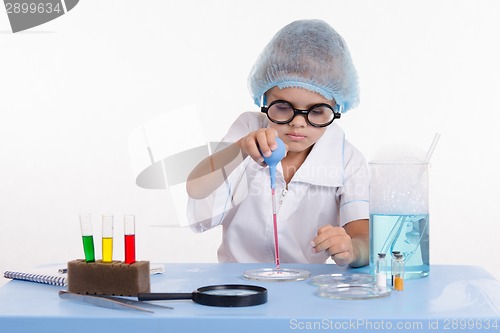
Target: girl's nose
299	121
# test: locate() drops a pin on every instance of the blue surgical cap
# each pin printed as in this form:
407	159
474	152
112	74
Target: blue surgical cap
307	54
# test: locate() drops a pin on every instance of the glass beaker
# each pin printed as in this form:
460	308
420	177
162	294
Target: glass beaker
399	214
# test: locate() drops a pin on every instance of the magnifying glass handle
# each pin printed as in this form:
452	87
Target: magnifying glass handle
163	296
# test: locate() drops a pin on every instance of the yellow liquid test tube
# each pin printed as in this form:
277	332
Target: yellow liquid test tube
107	238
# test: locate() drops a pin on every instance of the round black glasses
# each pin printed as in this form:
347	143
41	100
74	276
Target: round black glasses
283	112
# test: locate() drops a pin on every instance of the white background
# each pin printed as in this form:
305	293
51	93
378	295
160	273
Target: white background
73	90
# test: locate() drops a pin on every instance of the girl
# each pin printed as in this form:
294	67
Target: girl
303	80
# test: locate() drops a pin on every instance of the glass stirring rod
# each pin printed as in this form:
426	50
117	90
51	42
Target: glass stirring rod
272	161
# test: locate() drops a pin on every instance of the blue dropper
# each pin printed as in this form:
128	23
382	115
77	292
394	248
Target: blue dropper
276	156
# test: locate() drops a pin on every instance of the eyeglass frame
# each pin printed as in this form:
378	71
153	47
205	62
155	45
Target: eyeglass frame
265	109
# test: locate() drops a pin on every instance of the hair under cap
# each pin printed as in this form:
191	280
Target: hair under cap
307	54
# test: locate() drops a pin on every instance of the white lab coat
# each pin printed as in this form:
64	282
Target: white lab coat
330	187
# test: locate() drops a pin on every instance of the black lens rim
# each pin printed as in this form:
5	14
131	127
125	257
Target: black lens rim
201	296
265	109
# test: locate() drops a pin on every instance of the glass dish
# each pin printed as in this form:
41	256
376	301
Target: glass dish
352	292
275	275
343	279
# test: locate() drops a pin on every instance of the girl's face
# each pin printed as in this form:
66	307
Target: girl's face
298	134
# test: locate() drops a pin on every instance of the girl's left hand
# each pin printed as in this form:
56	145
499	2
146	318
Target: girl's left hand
336	242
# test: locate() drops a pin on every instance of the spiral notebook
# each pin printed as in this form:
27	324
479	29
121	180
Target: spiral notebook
52	279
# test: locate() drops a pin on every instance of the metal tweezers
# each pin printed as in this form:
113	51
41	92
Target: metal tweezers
111	302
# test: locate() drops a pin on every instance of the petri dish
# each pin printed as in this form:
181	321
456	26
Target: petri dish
277	275
343	279
353	291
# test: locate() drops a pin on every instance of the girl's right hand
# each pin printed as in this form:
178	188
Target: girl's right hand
263	139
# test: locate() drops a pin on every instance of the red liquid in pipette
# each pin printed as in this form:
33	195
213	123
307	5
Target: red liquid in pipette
275	222
129	249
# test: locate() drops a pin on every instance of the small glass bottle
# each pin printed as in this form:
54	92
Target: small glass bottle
381	271
398	272
393	260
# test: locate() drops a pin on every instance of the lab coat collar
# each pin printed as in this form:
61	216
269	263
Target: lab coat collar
325	164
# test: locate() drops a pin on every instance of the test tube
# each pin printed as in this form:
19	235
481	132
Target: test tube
87	237
107	238
398	271
381	271
129	228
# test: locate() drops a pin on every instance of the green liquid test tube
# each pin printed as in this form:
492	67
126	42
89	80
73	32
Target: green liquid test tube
88	238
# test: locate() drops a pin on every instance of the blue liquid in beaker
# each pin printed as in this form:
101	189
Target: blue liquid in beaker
408	234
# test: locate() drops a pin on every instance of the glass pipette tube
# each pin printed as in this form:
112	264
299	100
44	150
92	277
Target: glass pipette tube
275	225
87	237
272	161
129	227
107	238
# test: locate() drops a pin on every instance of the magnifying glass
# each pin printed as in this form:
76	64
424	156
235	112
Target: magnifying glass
225	295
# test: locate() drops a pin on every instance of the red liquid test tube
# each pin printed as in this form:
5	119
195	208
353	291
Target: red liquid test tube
129	227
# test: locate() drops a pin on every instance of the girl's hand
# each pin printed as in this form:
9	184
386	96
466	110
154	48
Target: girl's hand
263	139
336	242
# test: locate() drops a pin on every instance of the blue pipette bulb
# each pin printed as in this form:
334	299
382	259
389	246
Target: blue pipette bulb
273	160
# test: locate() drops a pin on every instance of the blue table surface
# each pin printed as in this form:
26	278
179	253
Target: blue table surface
451	297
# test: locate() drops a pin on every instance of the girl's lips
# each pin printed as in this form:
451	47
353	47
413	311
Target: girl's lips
295	136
